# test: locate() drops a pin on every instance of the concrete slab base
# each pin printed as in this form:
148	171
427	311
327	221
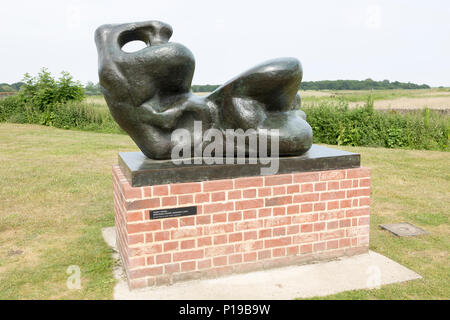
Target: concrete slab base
364	271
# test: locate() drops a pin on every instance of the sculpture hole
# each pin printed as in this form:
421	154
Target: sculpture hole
134	46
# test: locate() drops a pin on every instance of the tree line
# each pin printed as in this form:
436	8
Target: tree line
5	87
91	88
367	84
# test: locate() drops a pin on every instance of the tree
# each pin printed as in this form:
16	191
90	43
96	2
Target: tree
4	87
91	89
44	90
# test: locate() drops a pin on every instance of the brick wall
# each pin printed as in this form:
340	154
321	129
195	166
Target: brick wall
241	224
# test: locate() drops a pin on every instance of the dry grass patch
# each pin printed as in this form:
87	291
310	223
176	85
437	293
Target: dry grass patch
437	103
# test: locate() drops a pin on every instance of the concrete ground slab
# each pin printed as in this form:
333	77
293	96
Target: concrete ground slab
363	271
404	229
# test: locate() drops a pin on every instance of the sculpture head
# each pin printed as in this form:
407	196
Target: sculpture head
161	68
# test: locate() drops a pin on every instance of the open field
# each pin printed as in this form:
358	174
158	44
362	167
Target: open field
56	195
437	103
383	99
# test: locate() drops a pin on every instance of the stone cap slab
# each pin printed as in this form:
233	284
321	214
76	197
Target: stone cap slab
142	171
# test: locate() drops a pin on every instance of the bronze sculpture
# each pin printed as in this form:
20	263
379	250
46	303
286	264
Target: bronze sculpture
149	92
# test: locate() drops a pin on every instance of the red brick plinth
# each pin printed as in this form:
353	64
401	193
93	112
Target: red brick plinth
241	225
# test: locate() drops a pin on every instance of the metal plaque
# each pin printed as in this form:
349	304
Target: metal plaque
173	212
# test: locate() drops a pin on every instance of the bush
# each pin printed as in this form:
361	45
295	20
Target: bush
57	103
44	90
12	106
337	124
78	115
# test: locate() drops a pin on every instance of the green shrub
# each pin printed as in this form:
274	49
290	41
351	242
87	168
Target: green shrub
9	106
337	124
57	103
83	116
43	90
14	109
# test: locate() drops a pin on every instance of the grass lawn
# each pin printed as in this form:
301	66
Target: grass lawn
56	195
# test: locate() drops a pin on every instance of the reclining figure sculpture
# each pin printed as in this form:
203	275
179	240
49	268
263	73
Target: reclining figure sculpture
149	92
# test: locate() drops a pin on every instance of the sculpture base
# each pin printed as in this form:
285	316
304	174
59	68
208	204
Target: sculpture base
180	231
142	171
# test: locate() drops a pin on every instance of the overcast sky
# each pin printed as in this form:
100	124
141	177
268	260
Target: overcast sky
395	39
